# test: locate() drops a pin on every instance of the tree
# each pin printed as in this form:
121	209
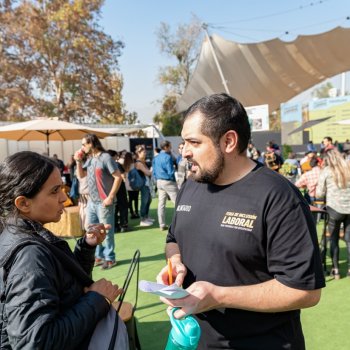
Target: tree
56	61
170	121
323	90
184	47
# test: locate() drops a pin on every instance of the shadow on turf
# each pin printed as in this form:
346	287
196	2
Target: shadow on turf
143	259
153	335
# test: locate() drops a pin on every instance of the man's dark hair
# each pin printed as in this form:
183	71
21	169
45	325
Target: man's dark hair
222	113
95	141
165	144
329	139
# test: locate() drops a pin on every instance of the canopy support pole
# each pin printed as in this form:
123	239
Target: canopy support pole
223	80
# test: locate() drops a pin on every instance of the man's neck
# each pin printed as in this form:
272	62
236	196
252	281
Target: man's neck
235	170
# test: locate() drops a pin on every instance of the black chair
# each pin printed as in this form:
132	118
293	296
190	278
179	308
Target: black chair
126	310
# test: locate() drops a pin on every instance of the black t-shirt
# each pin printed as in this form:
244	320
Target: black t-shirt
245	233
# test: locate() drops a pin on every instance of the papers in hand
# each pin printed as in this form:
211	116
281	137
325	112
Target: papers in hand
171	292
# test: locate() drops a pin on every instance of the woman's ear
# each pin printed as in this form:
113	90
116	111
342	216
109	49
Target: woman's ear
230	141
22	203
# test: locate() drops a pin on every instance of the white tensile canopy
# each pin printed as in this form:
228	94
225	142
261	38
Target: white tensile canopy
270	72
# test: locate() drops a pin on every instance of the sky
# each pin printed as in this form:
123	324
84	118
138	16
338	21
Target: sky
135	22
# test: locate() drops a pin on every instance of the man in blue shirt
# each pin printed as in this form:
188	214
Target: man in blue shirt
164	173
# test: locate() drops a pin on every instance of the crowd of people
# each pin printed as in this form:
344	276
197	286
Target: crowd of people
242	240
323	176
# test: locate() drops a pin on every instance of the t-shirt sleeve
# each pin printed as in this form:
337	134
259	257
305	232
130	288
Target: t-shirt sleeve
171	232
111	164
293	256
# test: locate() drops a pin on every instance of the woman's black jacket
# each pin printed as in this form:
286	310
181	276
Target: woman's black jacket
43	304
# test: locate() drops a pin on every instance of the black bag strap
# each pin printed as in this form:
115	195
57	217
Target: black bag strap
115	333
134	264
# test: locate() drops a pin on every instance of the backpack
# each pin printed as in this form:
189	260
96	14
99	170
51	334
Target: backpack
136	181
271	161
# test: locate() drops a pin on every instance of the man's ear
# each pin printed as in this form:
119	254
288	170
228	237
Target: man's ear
230	141
23	204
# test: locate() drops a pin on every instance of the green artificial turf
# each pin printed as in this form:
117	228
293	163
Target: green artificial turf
325	326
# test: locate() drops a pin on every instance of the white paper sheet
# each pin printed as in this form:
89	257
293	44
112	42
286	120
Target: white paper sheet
171	292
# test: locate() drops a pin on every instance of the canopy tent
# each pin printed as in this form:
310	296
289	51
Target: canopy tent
47	130
309	124
269	72
343	122
125	129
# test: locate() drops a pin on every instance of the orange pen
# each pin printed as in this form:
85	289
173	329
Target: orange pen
170	272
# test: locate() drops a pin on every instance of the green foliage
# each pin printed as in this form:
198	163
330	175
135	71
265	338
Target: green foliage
322	91
287	170
56	61
169	120
285	150
172	125
183	46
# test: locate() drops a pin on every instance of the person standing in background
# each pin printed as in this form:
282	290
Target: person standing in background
327	144
59	162
182	167
309	180
104	180
164	173
334	185
310	147
146	173
132	194
121	207
122	196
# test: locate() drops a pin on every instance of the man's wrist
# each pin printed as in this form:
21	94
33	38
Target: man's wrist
175	258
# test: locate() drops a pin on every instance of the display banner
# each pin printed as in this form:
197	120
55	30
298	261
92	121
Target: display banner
258	117
339	109
291	118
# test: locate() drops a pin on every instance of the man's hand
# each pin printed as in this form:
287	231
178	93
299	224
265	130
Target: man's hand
203	298
107	201
179	272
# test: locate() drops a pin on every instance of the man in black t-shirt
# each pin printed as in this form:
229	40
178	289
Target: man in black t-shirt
242	240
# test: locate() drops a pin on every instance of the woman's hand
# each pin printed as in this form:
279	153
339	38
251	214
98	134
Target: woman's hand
96	234
105	288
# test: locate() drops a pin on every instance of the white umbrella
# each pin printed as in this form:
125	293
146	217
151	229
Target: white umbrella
48	130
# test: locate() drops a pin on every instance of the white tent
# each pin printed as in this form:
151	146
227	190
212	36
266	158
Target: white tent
343	122
269	72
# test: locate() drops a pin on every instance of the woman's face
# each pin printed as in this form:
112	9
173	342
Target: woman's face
142	154
47	205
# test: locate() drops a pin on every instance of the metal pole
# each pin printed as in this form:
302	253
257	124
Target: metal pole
342	93
205	27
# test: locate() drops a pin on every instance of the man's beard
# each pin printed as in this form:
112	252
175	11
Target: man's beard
210	175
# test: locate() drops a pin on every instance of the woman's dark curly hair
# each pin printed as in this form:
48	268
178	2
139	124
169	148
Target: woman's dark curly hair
22	174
